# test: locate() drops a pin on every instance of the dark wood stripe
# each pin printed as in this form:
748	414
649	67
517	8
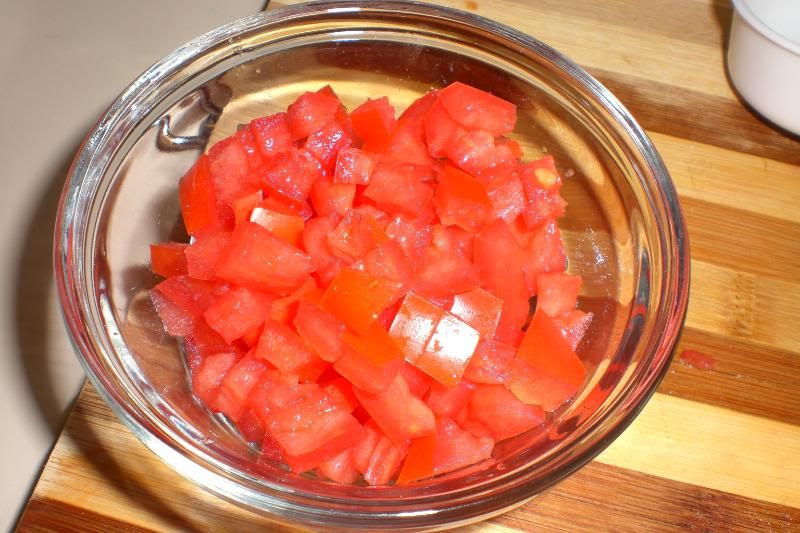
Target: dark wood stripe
743	240
723	122
747	378
607	498
45	514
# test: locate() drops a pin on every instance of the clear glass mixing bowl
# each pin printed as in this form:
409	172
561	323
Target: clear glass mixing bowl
624	231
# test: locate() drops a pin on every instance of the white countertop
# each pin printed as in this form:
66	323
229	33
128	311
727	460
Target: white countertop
61	64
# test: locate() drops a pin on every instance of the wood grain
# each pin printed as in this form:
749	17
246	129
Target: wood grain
717	448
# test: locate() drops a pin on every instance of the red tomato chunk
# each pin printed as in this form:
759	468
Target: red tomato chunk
357	293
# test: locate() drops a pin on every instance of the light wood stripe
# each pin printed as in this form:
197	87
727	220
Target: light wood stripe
744	306
751	379
717	448
733	179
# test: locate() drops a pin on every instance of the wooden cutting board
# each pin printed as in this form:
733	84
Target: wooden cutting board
718	447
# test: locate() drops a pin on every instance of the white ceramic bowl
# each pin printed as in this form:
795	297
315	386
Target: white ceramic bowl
764	58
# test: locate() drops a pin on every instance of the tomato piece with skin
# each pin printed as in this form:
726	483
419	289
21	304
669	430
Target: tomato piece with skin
363	372
448	350
288	228
201	209
476	109
399	414
236	312
414	325
396	190
490	363
444	270
257	259
418	464
573	326
310	112
557	292
374	122
461	200
321	331
376	345
545	349
354	166
495	411
168	259
535	387
272	135
357	298
480	309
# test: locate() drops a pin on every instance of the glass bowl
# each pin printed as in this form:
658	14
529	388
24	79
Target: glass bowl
624	231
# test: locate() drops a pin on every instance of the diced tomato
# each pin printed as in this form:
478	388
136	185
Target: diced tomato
399	414
352	237
321	331
448	351
251	427
326	142
557	292
257	259
236	386
541	183
440	129
377	457
376	345
243	206
414	325
288	228
476	153
354	166
504	278
545	253
507	196
180	300
209	375
412	236
418	464
545	348
272	134
363	372
408	144
475	109
200	206
204	253
419	107
480	309
535	387
449	401
418	381
573	326
236	312
357	298
292	174
283	348
387	260
396	190
494	410
168	259
460	199
373	122
340	391
310	112
464	241
315	243
284	309
369	437
328	197
456	448
340	468
229	170
203	341
513	146
490	363
444	270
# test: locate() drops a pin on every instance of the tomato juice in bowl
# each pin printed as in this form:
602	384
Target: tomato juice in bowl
623	230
